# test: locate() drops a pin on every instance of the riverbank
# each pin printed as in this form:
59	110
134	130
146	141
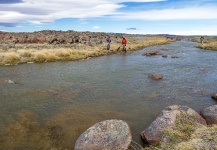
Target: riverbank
83	46
210	43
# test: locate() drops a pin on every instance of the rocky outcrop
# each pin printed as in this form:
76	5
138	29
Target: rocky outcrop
106	135
210	114
8	39
167	120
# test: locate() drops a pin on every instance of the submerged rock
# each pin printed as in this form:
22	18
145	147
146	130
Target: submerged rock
210	114
153	53
164	55
156	76
174	56
214	96
167	120
106	135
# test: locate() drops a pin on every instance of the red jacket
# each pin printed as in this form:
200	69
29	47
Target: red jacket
124	41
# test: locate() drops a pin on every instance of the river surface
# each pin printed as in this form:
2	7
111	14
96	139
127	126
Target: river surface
51	104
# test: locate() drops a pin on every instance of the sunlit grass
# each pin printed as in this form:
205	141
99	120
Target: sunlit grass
39	57
79	51
11	58
62	53
50	57
210	43
24	53
188	135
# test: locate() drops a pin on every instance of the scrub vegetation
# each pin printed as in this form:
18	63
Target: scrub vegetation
40	53
188	135
210	43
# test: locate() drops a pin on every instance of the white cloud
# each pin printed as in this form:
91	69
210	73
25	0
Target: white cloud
47	11
44	11
96	27
173	14
121	1
196	31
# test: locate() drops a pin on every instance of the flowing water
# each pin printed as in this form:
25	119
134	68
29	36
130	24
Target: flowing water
51	104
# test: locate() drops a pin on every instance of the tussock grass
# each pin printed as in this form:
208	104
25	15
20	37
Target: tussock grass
51	57
188	135
62	53
208	46
24	53
40	57
11	58
202	138
210	43
49	53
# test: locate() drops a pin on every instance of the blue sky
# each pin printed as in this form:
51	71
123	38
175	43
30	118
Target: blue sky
181	17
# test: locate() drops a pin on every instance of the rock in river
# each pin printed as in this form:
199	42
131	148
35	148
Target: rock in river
166	120
156	76
210	114
106	135
214	96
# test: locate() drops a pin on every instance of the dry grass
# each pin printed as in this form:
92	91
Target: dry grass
10	58
62	53
188	135
208	46
210	43
39	57
51	57
77	51
24	53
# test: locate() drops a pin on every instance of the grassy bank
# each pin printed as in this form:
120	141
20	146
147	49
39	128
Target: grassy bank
210	43
188	135
39	53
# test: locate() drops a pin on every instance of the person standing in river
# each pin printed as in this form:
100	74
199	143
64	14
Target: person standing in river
201	39
108	41
124	44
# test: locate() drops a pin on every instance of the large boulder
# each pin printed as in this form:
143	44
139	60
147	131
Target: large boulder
106	135
167	120
210	114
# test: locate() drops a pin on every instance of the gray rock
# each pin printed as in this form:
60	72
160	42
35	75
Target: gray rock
106	135
210	114
167	120
164	55
214	96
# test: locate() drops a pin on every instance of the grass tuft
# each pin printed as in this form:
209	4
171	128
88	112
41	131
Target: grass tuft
40	57
11	58
51	57
187	135
62	53
24	53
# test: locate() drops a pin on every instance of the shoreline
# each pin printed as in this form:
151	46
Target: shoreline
41	53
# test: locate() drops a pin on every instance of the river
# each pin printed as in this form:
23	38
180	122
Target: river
51	104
